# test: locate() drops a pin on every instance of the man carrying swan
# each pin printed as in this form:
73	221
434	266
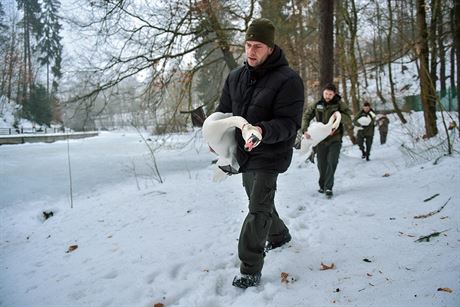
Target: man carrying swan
366	132
328	150
270	96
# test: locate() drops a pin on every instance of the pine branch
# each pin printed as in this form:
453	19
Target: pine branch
428	237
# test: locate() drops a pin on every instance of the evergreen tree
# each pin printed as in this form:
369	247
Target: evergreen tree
32	28
49	43
38	106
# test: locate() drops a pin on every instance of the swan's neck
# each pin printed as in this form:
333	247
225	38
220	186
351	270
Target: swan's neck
234	121
335	122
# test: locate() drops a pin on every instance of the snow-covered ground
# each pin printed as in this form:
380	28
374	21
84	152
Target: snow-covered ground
132	241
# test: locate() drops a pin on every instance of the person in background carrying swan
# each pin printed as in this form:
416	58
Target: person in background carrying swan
328	150
382	122
366	134
269	95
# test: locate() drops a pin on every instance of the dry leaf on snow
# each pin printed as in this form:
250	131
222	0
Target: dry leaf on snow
445	290
285	278
72	248
324	267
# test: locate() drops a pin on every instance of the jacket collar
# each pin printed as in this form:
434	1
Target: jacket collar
335	100
274	60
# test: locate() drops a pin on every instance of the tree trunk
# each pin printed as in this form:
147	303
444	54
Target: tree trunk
301	43
427	94
326	43
222	38
389	60
342	61
23	97
355	96
378	53
435	6
453	50
442	57
457	48
361	63
11	64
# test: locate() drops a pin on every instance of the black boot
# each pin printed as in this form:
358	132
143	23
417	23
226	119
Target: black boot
363	154
247	280
285	239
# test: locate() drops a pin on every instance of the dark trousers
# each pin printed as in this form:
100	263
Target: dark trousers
327	155
383	137
262	222
365	139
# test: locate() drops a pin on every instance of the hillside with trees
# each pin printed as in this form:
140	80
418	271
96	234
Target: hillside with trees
105	64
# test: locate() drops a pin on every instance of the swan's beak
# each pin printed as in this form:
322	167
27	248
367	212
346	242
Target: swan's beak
252	142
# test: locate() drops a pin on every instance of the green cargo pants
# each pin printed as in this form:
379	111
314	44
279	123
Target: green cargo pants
327	155
365	139
262	222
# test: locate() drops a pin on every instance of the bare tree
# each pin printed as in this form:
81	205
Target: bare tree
389	60
160	39
457	48
433	41
442	52
428	95
11	60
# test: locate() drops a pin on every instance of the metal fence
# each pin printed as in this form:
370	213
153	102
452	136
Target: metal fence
14	131
448	101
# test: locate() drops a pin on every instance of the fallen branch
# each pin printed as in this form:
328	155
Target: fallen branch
430	198
422	216
428	237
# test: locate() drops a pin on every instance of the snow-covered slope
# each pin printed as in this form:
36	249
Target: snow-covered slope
138	242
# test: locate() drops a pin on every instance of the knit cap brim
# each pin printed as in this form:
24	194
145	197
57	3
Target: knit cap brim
261	30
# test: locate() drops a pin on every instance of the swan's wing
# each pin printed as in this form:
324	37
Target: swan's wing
306	146
219	175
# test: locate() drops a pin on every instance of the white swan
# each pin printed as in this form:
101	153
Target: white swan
219	132
318	132
363	121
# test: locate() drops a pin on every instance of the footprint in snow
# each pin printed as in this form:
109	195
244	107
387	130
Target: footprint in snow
150	278
175	270
111	275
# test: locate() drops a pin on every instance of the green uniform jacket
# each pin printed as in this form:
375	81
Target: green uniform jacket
323	111
383	124
369	129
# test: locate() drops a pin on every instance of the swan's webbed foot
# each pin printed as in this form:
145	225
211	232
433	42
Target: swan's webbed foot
228	169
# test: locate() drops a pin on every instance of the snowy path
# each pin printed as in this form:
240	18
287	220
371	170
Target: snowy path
175	243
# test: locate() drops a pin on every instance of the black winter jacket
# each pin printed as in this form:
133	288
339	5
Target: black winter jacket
272	97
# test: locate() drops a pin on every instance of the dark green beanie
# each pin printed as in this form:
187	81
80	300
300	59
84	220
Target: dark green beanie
261	30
